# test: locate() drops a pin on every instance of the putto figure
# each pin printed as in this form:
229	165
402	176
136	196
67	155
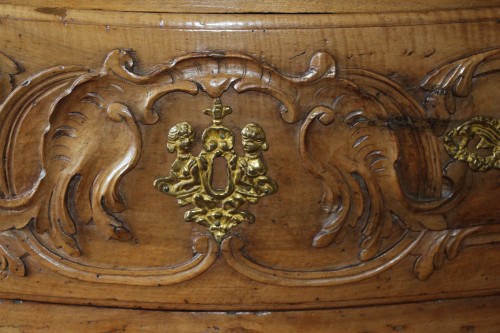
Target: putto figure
251	179
184	176
190	179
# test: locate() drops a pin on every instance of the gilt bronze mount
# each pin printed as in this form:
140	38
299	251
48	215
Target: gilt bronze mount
191	177
459	143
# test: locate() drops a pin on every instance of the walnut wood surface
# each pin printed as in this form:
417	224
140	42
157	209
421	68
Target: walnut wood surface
241	6
464	315
370	207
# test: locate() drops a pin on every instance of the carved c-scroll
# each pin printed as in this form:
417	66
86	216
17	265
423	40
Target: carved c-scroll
204	255
362	135
77	109
232	249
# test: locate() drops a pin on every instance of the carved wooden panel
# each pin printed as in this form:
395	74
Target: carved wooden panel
340	180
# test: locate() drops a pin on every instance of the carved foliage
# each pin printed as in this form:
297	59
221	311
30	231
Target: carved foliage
362	185
10	256
446	83
78	176
437	247
363	136
84	108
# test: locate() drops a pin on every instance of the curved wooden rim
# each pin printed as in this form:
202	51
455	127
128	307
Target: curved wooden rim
188	17
204	255
294	278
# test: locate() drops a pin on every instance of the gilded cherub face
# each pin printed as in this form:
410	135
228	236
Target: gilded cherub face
253	138
185	142
180	136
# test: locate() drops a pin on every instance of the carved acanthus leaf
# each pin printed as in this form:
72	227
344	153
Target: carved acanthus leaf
438	246
361	182
455	80
362	135
10	256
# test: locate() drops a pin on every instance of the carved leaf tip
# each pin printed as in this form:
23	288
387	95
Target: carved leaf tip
10	263
437	247
323	238
457	76
120	62
323	64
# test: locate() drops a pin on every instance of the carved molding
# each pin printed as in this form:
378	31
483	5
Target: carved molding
204	255
232	248
386	171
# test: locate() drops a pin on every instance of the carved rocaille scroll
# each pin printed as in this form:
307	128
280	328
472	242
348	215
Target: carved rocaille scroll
368	141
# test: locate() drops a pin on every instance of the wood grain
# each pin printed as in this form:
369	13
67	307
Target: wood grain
241	6
371	208
464	315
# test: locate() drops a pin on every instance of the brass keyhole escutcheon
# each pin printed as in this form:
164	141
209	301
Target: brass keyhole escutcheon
217	182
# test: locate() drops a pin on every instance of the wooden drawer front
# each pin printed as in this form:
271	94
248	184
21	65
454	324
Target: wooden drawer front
246	161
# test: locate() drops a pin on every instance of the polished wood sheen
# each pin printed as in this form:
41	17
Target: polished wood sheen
436	316
320	159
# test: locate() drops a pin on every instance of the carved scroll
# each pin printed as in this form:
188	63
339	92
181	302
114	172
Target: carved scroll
190	180
368	142
232	249
204	255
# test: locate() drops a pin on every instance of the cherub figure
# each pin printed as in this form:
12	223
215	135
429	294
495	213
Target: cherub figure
184	178
250	177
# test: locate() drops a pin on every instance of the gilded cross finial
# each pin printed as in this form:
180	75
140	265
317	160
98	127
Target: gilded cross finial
218	111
